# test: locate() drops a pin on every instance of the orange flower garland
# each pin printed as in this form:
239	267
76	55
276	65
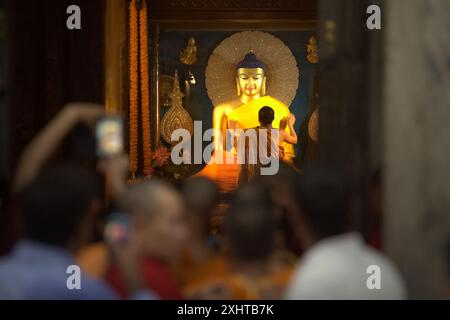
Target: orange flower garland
145	99
133	26
139	55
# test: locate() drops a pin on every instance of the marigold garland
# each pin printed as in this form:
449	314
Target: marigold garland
145	99
138	24
133	48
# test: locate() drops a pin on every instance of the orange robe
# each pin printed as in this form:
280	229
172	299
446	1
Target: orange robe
226	175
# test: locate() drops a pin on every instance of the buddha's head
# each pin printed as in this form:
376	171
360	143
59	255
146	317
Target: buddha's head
250	77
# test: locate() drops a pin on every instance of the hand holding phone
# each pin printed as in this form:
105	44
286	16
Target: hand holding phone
109	135
118	229
125	251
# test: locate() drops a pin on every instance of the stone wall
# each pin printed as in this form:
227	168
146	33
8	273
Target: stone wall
417	141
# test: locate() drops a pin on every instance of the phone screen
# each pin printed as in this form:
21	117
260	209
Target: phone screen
117	228
109	133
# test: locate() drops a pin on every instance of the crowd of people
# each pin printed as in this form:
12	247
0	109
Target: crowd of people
286	236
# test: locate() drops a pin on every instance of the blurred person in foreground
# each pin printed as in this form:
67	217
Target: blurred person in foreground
336	260
200	259
281	187
58	211
158	227
252	272
58	206
250	231
375	218
448	267
8	221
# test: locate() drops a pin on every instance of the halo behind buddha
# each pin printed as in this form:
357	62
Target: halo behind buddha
280	66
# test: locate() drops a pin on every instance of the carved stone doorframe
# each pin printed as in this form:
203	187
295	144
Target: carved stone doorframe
384	102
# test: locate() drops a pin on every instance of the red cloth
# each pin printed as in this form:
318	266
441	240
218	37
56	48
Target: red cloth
156	277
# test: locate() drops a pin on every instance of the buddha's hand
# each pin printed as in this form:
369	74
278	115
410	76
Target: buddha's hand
233	124
291	119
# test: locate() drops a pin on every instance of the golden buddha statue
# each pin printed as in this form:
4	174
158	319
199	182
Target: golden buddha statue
250	97
188	55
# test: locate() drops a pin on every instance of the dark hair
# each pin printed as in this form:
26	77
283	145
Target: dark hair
250	61
323	196
250	225
53	204
284	182
4	188
202	196
266	116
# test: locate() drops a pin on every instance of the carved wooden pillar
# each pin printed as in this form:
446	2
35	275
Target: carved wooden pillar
345	88
115	55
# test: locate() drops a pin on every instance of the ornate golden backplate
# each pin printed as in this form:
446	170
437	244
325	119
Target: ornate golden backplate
176	117
165	89
281	67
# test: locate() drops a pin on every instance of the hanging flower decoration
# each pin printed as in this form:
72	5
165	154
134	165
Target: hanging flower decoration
145	99
139	80
133	108
148	172
156	163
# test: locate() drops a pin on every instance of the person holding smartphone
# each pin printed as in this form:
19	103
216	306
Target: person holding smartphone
59	206
152	220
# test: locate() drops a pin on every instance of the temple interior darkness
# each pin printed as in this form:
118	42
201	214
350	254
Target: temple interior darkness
372	102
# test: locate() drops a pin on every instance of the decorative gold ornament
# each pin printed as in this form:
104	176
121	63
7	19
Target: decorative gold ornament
311	48
189	54
165	89
280	66
176	117
313	126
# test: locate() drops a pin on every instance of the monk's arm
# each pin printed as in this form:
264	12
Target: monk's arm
290	137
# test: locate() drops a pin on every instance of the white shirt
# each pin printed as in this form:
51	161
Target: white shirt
337	268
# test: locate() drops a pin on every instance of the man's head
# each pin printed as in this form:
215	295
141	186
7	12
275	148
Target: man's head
266	116
323	200
59	206
250	76
201	196
158	215
250	224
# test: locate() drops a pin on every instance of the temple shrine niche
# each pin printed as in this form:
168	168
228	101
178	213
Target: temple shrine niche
226	69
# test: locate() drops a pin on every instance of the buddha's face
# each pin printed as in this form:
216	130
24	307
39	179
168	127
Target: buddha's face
250	81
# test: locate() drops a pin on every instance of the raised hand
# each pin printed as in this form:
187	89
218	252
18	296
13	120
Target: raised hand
291	119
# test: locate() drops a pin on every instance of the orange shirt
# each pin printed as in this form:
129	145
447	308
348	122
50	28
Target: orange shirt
94	259
214	279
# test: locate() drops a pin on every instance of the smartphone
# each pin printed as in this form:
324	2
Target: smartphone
109	136
118	228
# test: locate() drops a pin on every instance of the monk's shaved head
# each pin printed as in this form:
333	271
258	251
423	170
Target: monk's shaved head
149	198
158	216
